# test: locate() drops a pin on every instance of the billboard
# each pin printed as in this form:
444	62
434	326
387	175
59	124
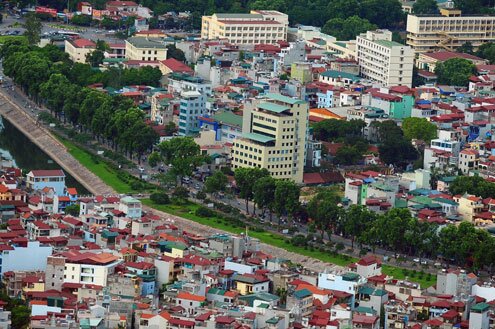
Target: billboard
46	10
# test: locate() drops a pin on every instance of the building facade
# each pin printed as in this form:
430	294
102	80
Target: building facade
383	60
145	49
78	49
267	26
430	33
275	131
192	106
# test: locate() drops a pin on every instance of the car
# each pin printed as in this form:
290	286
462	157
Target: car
437	264
416	260
197	187
424	262
111	31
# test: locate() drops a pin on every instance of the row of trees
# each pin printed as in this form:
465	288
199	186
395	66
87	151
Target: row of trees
47	75
396	230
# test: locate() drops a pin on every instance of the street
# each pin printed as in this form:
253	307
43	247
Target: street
31	109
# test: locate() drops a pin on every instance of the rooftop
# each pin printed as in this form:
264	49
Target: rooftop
142	42
389	44
284	99
258	137
272	107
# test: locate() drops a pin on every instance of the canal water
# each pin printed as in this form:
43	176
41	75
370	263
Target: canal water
15	146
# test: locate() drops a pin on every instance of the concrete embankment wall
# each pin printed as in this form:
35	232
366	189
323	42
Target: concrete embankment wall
51	146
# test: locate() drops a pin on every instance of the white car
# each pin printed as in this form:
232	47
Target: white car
416	260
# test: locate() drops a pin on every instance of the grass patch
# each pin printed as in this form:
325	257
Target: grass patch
99	167
277	240
4	38
398	273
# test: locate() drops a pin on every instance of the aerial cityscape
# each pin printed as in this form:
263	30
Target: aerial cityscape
280	164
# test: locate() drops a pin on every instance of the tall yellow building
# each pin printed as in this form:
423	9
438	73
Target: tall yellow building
275	130
260	26
448	31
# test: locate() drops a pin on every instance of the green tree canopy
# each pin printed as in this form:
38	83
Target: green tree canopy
216	182
33	29
487	51
455	71
183	154
425	7
347	28
475	185
419	128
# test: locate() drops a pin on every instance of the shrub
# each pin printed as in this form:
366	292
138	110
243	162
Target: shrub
160	198
204	212
339	246
299	240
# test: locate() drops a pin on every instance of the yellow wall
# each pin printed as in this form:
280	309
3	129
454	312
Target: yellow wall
244	288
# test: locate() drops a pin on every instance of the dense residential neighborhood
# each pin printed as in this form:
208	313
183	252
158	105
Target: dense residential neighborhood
274	165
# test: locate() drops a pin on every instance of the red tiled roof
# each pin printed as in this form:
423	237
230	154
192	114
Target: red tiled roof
176	66
188	296
364	319
83	43
48	173
445	55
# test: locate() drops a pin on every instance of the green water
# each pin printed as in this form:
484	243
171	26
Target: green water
27	155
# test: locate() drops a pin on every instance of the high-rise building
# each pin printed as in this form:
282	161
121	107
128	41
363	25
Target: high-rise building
448	32
275	132
383	60
192	106
260	26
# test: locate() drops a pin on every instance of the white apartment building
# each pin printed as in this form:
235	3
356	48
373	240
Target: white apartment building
448	32
383	60
260	26
275	134
89	267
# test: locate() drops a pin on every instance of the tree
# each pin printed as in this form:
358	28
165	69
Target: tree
487	51
343	8
20	316
160	198
474	185
372	10
174	52
468	6
264	193
455	71
72	210
348	28
54	92
324	211
216	182
355	221
33	29
170	128
348	155
397	152
245	178
286	200
180	194
466	47
95	58
183	154
82	20
419	128
425	7
154	159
